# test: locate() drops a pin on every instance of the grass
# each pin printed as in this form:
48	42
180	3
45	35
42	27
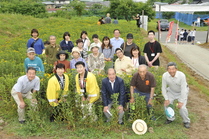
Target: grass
15	31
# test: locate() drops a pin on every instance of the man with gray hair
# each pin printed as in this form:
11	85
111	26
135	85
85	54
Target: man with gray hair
143	83
174	86
51	50
111	85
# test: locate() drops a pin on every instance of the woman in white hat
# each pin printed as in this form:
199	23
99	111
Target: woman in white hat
76	57
95	60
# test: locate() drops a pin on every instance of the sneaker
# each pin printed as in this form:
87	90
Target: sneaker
187	125
22	122
168	121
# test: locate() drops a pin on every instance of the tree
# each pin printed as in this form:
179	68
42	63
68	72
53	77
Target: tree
78	6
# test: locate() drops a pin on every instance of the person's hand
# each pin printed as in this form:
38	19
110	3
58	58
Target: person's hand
105	109
132	100
120	108
180	105
150	102
22	105
150	64
56	101
34	101
83	99
166	102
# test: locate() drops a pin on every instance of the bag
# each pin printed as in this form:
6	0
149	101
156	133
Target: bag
32	45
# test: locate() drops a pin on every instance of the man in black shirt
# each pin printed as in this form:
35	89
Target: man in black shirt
152	50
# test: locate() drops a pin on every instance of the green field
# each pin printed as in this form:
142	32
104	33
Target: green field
14	33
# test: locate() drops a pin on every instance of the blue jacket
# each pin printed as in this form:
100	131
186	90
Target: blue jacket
65	46
107	91
38	45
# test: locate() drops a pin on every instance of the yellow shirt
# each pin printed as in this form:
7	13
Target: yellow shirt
54	90
92	88
125	63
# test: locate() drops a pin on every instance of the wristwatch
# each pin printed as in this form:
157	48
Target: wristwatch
151	98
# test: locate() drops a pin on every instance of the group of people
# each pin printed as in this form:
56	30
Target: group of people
107	20
186	36
143	83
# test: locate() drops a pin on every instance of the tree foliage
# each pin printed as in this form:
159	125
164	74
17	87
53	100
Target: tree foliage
127	8
23	7
78	7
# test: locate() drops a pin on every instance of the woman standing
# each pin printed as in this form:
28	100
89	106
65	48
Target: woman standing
108	52
96	60
66	44
136	57
35	42
86	41
137	18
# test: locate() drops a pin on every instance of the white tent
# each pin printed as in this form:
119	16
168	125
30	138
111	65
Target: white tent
182	8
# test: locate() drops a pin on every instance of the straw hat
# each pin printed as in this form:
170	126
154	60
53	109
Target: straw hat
169	112
139	127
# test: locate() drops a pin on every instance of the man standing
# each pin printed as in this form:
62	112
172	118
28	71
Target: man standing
116	41
152	50
86	86
123	64
174	86
143	83
108	19
52	50
193	36
111	85
22	89
127	46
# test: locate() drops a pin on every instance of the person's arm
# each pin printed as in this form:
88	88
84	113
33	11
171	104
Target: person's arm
130	67
41	65
29	43
104	95
122	93
25	65
146	57
151	95
90	63
132	94
164	90
42	45
51	92
22	103
156	57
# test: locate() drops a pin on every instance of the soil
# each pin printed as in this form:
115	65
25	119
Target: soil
198	103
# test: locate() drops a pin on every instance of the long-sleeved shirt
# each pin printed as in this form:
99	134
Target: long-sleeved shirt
96	62
176	84
125	63
51	52
38	45
108	53
92	88
66	45
53	89
73	62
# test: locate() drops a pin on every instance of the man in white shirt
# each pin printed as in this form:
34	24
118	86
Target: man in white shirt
193	36
25	87
174	86
116	41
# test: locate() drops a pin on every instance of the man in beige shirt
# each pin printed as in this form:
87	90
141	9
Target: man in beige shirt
123	64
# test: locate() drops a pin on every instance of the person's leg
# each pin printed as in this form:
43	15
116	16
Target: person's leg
120	116
21	112
171	98
107	114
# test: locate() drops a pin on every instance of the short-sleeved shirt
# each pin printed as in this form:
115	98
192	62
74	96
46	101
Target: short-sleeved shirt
116	43
151	48
127	50
24	85
143	85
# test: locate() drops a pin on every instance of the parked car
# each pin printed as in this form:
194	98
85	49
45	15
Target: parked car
164	24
